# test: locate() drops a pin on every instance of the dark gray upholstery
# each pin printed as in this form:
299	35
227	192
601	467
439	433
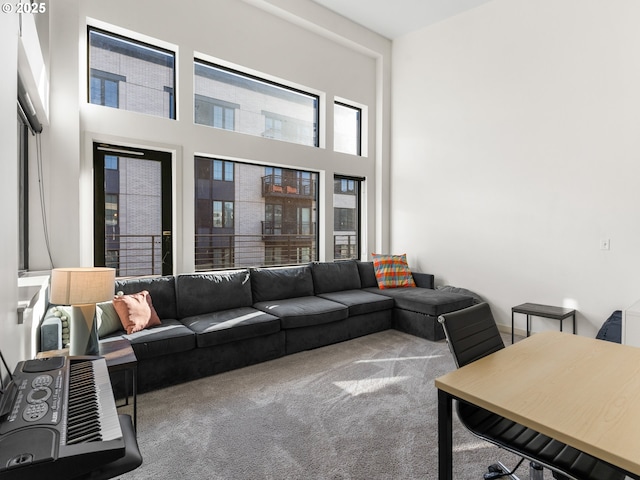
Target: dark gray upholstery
211	292
161	289
359	325
168	338
279	283
304	311
425	300
335	276
231	325
360	302
472	334
216	321
367	274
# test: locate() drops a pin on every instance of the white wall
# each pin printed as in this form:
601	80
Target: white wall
515	150
9	328
274	37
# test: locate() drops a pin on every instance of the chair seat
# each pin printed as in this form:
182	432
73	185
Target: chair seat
535	446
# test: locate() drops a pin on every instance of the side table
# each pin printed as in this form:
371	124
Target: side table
119	356
545	311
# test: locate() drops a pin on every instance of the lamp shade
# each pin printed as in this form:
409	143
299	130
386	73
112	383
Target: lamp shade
81	286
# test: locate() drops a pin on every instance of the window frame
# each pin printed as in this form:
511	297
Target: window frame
144	44
198	60
359	111
357	193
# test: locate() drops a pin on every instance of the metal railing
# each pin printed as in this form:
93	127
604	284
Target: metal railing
134	255
345	246
137	255
215	251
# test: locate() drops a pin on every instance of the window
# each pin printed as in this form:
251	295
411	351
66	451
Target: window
256	216
104	89
23	194
232	100
130	75
346	217
215	113
222	214
223	170
347	130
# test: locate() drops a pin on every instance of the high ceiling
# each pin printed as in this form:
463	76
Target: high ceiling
394	18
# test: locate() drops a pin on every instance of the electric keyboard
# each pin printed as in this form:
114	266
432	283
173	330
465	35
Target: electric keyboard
58	419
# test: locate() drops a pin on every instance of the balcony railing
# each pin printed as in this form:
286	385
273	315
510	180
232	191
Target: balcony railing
134	255
288	228
276	185
345	246
215	251
138	255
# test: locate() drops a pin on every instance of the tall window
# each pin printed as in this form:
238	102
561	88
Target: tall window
346	217
130	75
347	129
250	215
232	100
23	194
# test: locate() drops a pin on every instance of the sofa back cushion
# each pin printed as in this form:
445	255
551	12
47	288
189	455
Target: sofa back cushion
335	276
367	274
200	293
277	283
161	289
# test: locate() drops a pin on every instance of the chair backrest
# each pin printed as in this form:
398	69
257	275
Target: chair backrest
471	333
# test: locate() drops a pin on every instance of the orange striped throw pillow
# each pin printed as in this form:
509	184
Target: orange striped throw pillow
392	271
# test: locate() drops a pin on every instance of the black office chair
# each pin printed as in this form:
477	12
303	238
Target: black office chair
131	460
472	333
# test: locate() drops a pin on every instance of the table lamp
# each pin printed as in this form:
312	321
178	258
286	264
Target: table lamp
82	288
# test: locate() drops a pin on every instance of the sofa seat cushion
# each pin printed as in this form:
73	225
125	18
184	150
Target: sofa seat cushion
169	337
304	311
425	300
231	325
360	302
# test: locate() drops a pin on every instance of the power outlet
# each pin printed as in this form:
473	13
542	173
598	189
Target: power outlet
605	244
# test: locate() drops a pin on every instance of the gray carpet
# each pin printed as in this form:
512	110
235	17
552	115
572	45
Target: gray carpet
363	409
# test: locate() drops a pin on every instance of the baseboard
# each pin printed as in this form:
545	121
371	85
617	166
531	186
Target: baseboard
507	329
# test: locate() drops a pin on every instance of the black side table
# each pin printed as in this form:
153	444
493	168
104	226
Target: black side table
545	311
120	356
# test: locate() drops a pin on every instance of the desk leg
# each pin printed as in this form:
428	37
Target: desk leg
574	323
512	326
445	436
528	324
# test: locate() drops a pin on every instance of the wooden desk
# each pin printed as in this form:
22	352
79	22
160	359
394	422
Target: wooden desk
578	390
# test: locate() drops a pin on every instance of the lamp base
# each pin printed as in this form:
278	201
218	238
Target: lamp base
83	331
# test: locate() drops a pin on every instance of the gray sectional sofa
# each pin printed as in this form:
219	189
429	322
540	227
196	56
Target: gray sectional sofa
218	321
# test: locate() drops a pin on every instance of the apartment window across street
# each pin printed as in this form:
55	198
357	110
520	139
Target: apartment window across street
251	215
347	129
346	217
130	75
232	100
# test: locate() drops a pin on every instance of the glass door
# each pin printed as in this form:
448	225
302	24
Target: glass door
132	210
